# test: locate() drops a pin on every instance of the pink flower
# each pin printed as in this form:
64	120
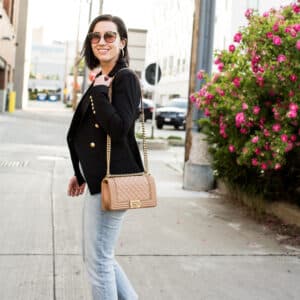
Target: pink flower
296	27
293	77
293	138
261	69
292	114
231	48
243	131
248	13
276	127
266	132
296	8
264	166
217	61
276	27
200	74
298	44
244	106
260	80
209	96
281	58
220	92
267	146
254	162
206	112
256	110
257	151
293	33
237	82
239	119
237	37
293	106
192	98
220	67
277	166
255	139
255	59
284	138
277	40
269	35
291	93
231	148
266	14
289	147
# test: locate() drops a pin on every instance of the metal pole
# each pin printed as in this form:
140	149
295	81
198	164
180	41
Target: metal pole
76	62
201	58
154	100
192	85
65	92
86	70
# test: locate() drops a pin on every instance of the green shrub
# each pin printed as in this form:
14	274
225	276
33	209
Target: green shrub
253	105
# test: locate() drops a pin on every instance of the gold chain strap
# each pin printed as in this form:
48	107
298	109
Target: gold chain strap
108	139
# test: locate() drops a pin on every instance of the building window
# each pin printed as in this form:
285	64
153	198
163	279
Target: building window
171	64
183	65
178	65
164	66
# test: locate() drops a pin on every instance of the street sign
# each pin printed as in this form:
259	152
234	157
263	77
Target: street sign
150	74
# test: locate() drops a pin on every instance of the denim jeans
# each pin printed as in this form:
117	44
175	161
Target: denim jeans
100	233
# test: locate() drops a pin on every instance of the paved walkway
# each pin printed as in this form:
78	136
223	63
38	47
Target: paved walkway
192	246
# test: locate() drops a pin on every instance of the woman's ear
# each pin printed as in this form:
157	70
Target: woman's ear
123	43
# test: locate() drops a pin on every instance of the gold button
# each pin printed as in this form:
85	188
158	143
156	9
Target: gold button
94	112
92	145
96	125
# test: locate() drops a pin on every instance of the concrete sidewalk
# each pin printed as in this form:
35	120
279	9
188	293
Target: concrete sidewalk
192	246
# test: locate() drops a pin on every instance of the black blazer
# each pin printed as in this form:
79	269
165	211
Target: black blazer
90	126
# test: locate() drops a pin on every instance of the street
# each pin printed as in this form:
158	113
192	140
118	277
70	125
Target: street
193	246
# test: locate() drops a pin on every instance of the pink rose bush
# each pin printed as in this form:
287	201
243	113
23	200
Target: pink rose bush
253	101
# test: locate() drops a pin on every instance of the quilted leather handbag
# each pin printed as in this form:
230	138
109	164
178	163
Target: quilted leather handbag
126	191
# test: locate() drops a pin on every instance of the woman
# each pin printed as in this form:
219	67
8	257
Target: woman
94	118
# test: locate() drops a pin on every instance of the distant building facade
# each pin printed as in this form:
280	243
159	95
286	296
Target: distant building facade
137	39
9	10
170	36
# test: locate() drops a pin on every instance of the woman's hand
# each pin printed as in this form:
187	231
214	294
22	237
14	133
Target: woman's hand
74	189
103	80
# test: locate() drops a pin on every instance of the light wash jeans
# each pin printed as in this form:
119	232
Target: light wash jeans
100	233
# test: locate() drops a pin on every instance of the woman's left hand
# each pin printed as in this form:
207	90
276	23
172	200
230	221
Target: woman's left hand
103	80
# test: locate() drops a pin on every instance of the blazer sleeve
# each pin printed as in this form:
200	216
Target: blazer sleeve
75	163
117	118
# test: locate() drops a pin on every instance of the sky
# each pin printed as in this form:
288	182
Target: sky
60	17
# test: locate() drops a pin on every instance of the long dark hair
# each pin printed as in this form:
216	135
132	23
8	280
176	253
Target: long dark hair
87	52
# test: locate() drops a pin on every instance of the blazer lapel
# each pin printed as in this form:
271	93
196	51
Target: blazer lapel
80	111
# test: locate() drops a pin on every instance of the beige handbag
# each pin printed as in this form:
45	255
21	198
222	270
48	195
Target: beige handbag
124	191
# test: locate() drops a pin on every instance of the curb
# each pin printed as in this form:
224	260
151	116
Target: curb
155	144
288	213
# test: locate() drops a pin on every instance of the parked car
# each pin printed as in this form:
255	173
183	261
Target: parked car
174	113
148	109
41	97
53	97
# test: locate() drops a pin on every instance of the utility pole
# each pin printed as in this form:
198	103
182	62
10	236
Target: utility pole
76	62
65	91
197	171
192	83
86	70
22	58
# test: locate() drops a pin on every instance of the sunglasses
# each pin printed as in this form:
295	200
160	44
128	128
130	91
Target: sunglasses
95	37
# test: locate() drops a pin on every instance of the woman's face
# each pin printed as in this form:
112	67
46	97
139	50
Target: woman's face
108	48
